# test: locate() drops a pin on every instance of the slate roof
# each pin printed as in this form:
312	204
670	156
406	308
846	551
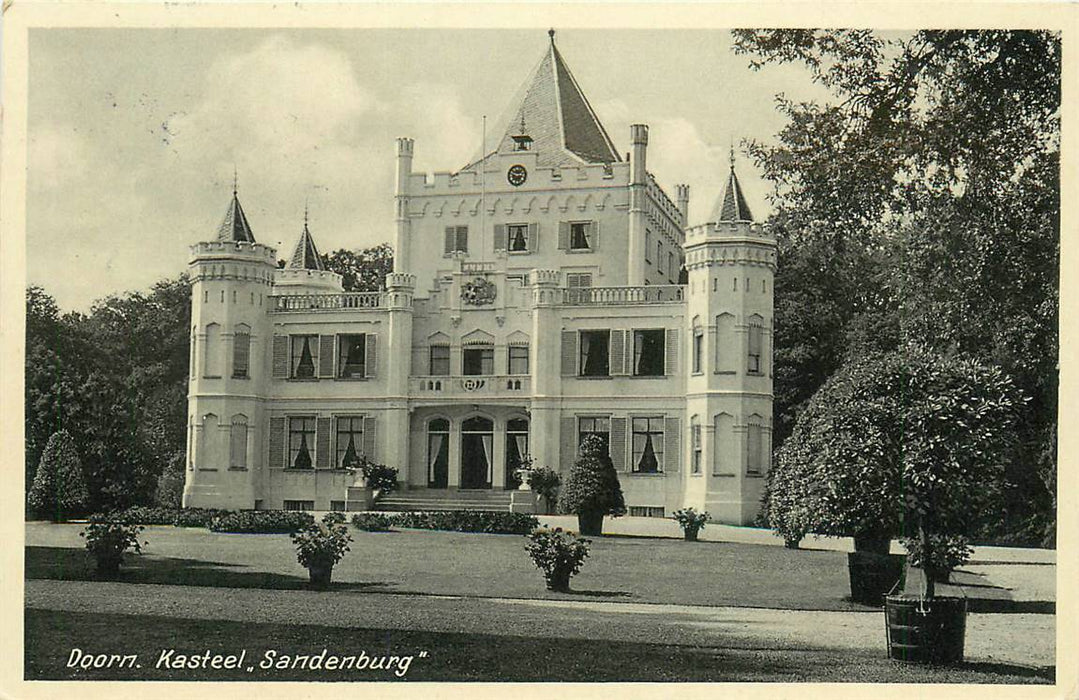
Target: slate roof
305	256
557	116
732	205
235	226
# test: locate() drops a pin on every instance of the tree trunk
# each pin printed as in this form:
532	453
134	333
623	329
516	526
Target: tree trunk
928	586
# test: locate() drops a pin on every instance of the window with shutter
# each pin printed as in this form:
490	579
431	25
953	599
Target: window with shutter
322	441
304	356
500	237
280	357
370	438
754	365
241	351
569	353
370	355
595	360
618	352
518	238
674	445
563	235
618	443
325	356
348	443
440	360
276	446
649	348
351	356
671	358
455	240
301	442
647	445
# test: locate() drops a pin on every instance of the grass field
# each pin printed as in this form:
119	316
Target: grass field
463	657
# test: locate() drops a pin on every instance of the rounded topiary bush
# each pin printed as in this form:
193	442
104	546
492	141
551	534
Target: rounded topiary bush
59	490
592	489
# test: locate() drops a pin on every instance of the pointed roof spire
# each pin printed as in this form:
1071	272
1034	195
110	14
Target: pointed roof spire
562	125
234	227
732	206
305	256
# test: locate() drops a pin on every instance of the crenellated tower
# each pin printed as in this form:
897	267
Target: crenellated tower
232	278
731	265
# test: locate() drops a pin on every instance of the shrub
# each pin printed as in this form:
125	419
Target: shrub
198	517
491	522
378	477
690	519
321	544
545	482
593	485
59	489
334	518
558	554
374	522
144	515
107	541
170	485
946	553
261	521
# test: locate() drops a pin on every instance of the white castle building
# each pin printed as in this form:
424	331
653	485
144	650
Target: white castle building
548	291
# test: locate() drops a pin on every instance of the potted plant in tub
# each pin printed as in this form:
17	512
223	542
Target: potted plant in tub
691	521
558	554
319	546
108	541
592	490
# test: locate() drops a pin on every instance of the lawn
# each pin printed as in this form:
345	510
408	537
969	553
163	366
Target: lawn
447	563
461	656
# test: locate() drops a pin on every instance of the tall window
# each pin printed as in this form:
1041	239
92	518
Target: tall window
648	353
238	442
351	356
304	356
241	351
478	360
518	359
595	357
517	235
440	360
600	426
695	437
438	451
208	443
754	448
698	350
456	240
580	235
659	255
754	359
647	245
211	357
349	440
671	269
301	442
648	445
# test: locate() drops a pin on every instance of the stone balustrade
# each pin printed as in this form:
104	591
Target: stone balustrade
648	294
459	385
327	302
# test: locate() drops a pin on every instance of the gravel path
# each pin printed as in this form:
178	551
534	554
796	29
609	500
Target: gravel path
1021	639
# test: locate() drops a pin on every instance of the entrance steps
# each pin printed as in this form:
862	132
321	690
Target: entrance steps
445	499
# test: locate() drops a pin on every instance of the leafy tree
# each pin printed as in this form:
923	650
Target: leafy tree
592	488
59	488
920	201
170	485
362	270
911	442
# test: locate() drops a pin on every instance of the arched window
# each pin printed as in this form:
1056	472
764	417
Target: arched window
754	359
695	440
238	442
207	449
241	351
438	453
211	356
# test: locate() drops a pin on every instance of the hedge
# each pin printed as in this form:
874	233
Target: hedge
261	521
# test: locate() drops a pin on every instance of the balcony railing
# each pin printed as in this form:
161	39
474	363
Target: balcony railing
327	302
491	385
648	294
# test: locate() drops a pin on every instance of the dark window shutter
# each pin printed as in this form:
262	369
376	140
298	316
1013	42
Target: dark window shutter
276	458
618	443
671	352
593	229
370	368
322	443
462	239
569	353
370	438
618	352
567	441
325	356
533	238
448	243
500	237
672	445
563	235
280	357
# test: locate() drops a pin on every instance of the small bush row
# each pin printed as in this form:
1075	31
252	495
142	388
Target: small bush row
159	515
262	521
491	522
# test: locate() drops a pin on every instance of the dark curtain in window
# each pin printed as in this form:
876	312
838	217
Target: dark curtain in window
306	367
648	461
303	458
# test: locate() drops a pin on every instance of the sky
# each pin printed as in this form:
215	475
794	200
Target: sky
135	134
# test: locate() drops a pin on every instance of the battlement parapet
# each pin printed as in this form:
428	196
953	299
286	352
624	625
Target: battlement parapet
233	250
540	178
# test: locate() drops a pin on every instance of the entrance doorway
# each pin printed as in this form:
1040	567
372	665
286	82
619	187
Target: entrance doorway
477	442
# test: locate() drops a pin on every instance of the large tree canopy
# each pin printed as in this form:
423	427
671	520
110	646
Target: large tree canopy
920	203
362	270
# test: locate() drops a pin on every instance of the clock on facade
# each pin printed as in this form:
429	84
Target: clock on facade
517	175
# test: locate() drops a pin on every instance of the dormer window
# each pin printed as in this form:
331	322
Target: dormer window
522	142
